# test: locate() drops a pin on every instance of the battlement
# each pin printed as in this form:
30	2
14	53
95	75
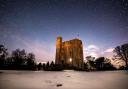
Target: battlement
76	39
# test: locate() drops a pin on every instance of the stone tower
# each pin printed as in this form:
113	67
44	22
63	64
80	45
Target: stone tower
58	50
69	53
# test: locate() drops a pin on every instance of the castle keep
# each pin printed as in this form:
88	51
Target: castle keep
69	53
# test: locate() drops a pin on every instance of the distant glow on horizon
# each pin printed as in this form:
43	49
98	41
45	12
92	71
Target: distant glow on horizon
109	50
94	55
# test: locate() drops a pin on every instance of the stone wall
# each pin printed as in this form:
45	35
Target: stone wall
69	53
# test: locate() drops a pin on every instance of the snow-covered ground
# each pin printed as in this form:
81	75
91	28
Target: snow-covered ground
67	79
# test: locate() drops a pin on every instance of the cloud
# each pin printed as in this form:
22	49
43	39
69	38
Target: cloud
91	50
93	47
109	50
95	51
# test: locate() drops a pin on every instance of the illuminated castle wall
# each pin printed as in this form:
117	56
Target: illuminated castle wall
69	53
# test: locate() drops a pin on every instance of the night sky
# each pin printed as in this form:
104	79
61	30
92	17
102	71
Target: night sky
33	25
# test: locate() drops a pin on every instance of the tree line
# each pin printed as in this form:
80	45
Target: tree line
18	59
21	60
96	64
100	64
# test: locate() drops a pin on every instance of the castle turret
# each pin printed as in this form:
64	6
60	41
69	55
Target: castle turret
58	50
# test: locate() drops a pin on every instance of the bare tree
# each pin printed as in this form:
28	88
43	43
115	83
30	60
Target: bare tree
122	53
31	61
19	57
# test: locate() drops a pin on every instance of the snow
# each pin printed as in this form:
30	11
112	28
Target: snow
67	79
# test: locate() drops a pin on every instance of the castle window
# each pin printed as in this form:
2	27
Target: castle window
70	59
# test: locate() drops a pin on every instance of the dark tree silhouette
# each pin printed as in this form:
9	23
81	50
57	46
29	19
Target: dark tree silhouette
85	66
47	66
3	55
90	58
52	65
31	61
19	57
90	63
22	60
103	63
9	62
100	63
39	66
122	53
18	60
44	66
